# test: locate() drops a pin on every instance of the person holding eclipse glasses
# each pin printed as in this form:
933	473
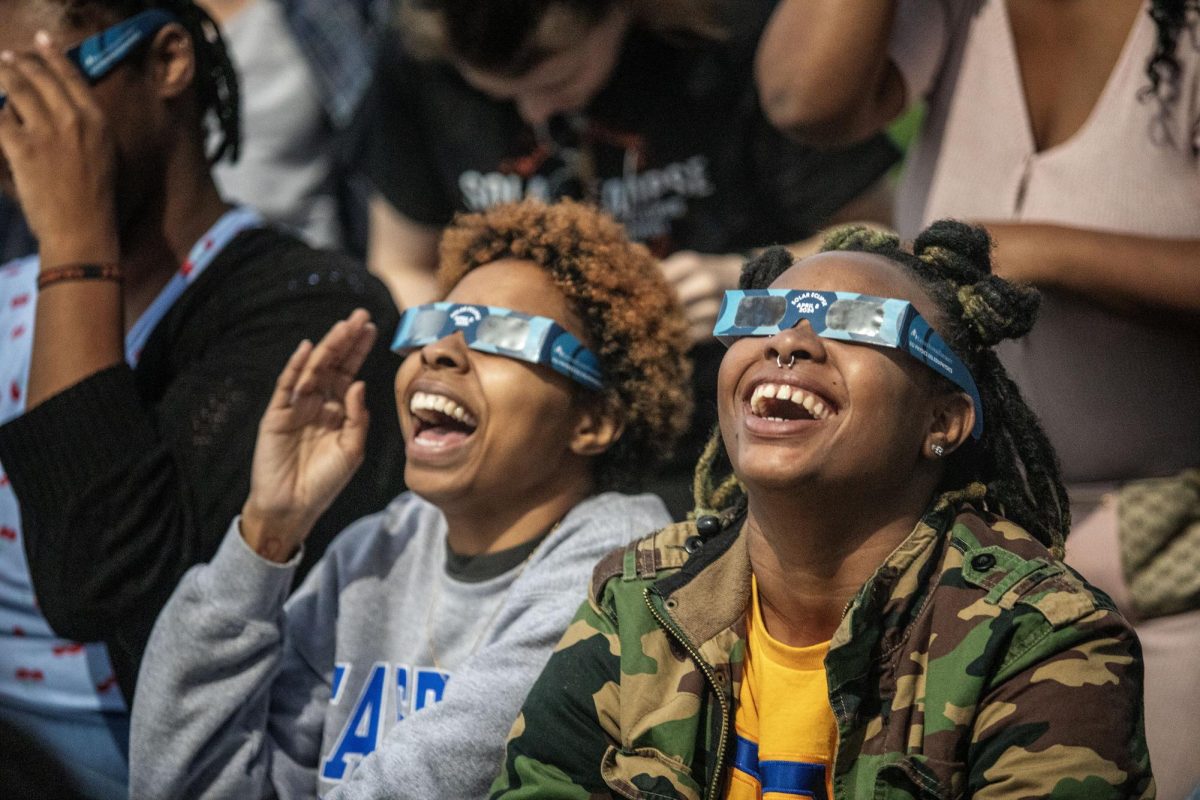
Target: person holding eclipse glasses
873	604
141	345
551	376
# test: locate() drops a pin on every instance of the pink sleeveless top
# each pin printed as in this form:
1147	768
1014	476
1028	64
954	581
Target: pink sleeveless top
1120	399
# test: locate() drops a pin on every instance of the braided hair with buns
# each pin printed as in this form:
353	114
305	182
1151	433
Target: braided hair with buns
216	81
1012	469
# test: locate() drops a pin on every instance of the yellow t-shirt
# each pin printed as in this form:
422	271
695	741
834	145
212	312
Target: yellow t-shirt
786	731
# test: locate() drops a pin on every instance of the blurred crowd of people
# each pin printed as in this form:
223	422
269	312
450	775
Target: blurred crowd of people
217	214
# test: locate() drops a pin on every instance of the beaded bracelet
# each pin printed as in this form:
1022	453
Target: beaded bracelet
79	272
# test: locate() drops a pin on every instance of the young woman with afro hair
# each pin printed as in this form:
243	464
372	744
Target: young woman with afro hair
550	376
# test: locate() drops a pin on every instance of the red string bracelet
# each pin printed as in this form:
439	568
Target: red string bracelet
79	272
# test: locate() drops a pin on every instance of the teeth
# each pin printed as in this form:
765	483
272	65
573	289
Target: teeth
423	401
794	394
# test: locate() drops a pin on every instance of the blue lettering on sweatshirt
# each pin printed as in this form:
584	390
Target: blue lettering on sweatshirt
412	690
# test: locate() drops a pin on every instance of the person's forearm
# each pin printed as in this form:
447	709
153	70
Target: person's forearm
823	70
62	157
1131	274
408	287
224	10
79	331
218	655
403	254
80	326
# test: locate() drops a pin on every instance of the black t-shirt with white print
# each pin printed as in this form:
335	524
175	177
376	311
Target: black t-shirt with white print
675	147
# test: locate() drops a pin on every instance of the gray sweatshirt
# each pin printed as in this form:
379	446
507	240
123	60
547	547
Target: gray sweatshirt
382	676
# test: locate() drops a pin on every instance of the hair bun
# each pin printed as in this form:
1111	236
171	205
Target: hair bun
769	262
858	237
992	308
996	310
969	247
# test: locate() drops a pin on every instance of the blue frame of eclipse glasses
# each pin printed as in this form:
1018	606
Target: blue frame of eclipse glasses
847	317
99	54
502	332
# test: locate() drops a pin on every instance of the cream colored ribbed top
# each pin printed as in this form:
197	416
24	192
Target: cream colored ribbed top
1119	399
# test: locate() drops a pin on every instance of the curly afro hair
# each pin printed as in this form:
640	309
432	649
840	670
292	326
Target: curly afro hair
632	320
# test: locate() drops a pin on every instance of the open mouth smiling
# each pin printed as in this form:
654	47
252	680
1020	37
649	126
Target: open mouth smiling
784	402
440	421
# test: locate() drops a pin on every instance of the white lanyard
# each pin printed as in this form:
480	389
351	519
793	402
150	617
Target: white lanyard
203	253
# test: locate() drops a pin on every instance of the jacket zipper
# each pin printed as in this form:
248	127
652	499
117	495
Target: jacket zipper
711	791
837	743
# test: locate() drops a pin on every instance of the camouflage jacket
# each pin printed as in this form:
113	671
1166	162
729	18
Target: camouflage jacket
972	664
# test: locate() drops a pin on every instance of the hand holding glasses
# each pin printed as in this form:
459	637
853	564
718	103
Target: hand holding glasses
99	54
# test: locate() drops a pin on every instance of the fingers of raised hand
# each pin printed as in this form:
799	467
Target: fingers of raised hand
704	310
679	266
701	317
337	358
700	282
37	92
697	276
353	436
285	384
51	119
362	346
69	76
698	288
26	104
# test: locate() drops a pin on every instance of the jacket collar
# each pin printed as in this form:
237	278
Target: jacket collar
712	591
709	595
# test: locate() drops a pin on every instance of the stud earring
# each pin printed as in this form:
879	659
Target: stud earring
938	450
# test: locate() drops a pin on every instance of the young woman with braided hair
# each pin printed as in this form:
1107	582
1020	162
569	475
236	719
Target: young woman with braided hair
874	604
1013	459
1071	131
141	345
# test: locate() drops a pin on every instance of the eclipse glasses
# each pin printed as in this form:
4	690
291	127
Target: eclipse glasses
502	332
99	54
847	317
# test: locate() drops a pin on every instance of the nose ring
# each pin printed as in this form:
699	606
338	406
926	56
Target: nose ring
791	361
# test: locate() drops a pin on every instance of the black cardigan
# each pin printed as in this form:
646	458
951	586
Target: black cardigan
131	476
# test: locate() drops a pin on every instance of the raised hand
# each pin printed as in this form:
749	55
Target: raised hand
310	440
62	155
